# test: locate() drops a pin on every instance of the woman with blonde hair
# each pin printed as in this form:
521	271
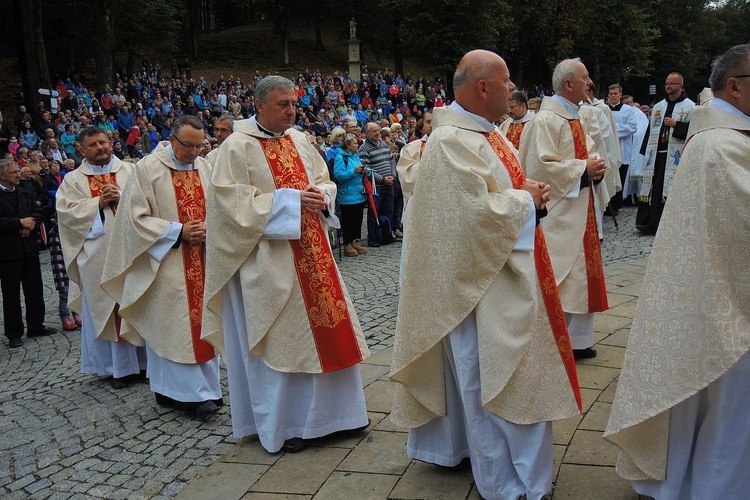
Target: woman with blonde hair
348	170
337	137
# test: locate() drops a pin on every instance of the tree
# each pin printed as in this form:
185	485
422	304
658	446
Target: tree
617	41
32	53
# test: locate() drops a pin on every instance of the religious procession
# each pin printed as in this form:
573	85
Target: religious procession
215	249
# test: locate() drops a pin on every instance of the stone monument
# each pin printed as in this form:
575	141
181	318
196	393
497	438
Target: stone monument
355	61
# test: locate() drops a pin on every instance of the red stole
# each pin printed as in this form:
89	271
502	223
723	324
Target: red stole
96	183
514	133
544	270
597	288
191	205
327	312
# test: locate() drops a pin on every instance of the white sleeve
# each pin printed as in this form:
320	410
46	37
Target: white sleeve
525	242
97	228
164	244
573	193
286	216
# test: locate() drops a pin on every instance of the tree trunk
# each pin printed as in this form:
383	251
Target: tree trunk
191	25
519	76
105	43
318	35
32	54
130	71
398	60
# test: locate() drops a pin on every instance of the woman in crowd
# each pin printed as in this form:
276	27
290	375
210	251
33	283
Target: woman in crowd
348	170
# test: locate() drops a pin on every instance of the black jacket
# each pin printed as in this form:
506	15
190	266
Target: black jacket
14	206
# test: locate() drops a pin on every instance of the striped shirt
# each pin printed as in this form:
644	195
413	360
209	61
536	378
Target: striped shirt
378	158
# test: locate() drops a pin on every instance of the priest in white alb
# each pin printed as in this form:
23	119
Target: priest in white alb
680	413
482	355
556	149
155	270
519	116
86	205
276	305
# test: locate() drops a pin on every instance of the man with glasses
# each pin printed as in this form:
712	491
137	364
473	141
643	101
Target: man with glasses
668	129
155	268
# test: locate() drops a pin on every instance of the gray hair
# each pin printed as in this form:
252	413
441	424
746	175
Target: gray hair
565	70
733	61
472	73
186	120
270	83
348	138
5	164
226	118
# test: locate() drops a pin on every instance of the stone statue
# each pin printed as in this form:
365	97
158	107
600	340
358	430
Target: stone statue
353	28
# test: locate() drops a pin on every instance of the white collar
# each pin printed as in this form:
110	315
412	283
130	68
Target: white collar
723	105
483	122
569	106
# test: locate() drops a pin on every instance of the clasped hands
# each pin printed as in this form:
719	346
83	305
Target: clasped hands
313	199
194	231
539	191
27	225
595	168
110	194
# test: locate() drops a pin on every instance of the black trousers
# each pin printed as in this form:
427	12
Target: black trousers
13	274
617	198
351	221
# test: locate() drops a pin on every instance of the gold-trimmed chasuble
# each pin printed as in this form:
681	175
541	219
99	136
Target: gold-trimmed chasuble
327	311
597	288
191	206
544	270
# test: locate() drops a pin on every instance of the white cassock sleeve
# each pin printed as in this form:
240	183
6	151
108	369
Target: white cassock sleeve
164	244
286	216
525	242
97	228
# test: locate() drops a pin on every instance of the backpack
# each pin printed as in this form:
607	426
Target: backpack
330	166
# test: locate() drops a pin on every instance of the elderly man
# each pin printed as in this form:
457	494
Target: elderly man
520	115
19	261
376	157
291	338
155	269
665	142
86	205
467	356
680	412
555	148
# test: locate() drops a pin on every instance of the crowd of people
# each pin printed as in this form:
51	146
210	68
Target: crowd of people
215	243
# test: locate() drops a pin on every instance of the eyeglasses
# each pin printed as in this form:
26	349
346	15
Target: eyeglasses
188	146
740	76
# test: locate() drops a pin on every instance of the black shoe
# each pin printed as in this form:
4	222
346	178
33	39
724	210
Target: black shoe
293	445
645	229
118	383
15	342
43	332
206	409
163	400
587	353
373	244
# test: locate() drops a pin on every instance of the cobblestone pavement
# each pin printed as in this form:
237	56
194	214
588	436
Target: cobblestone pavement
68	435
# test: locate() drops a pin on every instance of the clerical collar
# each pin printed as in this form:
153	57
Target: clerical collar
483	122
722	105
570	107
263	129
100	169
520	120
5	189
177	163
616	107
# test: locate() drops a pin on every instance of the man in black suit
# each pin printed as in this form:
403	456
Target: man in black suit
19	259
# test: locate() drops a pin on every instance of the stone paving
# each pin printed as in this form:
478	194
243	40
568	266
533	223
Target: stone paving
68	435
